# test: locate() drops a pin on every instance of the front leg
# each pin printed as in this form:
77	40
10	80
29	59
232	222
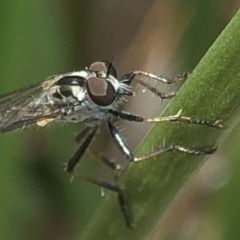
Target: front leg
134	76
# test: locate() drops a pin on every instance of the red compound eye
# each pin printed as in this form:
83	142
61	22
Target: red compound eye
100	91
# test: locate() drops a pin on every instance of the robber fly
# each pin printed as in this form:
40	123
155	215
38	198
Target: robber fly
91	96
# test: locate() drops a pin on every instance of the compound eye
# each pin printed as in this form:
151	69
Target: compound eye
105	67
100	91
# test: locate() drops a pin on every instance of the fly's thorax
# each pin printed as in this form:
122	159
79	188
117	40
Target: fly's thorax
69	88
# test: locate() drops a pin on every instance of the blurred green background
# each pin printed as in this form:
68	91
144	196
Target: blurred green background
43	38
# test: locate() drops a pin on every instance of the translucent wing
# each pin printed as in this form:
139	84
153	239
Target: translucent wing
24	107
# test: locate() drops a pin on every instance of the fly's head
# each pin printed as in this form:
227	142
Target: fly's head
103	87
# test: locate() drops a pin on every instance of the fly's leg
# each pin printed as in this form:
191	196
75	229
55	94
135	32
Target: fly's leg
119	140
114	167
115	133
85	138
162	79
171	148
133	76
175	118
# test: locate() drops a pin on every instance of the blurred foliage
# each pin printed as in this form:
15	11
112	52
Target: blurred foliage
42	38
